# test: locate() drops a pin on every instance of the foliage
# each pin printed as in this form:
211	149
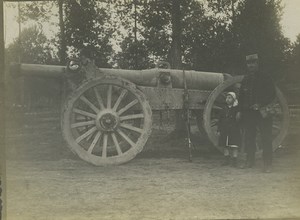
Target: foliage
146	37
35	10
294	62
205	37
133	55
215	35
33	47
87	25
156	20
259	31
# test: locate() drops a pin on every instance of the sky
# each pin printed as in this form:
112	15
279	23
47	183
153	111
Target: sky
290	21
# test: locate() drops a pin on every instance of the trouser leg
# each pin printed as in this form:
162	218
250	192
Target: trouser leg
226	156
250	139
226	151
265	127
234	152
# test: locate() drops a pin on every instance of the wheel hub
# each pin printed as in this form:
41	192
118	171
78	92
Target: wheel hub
107	121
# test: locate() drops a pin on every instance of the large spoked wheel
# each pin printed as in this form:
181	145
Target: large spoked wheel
216	101
107	121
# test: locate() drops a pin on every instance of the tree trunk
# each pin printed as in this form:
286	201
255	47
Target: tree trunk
62	50
175	60
175	51
62	46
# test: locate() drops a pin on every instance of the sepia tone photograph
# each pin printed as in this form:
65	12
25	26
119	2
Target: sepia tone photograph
149	109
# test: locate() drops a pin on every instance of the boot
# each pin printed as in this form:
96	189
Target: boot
267	167
249	163
226	161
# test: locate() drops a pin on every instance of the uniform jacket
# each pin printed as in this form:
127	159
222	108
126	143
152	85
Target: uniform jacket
228	127
256	89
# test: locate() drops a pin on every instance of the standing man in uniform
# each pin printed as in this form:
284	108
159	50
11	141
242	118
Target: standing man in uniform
257	91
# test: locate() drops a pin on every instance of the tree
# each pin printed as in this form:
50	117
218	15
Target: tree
41	13
259	31
35	48
36	11
126	21
133	55
87	25
205	38
175	54
203	32
62	35
294	61
156	31
209	37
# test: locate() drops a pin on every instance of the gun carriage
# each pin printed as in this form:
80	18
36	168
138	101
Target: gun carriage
107	117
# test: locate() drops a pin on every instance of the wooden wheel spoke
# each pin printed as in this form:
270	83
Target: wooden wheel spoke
104	147
109	93
81	112
116	143
96	138
276	126
216	107
130	127
99	99
128	106
86	134
129	117
89	137
129	141
214	122
81	124
120	98
91	105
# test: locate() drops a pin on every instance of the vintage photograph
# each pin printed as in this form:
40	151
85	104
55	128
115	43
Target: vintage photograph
149	109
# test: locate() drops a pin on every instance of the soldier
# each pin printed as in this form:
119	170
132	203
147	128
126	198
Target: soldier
257	91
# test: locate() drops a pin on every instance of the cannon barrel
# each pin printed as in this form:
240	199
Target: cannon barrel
149	77
22	69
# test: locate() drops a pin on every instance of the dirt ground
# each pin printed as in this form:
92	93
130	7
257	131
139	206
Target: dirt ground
45	181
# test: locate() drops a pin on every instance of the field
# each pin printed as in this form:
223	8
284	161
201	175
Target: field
46	181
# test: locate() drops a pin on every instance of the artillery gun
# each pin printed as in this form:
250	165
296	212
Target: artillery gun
107	117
